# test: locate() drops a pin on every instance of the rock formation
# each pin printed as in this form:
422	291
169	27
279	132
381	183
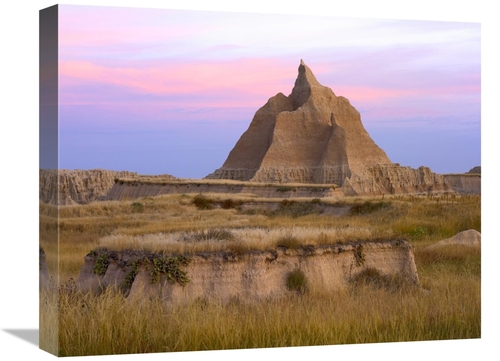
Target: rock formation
248	277
66	187
470	238
314	136
467	183
475	170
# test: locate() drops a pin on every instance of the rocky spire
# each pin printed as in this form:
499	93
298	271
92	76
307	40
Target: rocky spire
303	84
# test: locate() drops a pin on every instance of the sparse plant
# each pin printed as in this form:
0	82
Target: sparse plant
170	267
101	264
295	209
288	241
296	281
230	203
419	232
202	202
359	255
217	234
368	207
130	277
138	207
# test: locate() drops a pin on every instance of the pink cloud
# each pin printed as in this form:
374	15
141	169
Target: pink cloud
257	78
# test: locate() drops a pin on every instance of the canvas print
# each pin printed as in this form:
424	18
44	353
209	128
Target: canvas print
216	181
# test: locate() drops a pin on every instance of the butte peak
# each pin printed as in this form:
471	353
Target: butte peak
304	84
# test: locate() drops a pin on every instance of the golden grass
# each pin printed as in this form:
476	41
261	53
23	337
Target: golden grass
109	323
363	314
161	221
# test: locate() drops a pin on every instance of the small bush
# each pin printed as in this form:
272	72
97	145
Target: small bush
368	207
288	241
229	204
284	189
202	202
296	281
138	207
101	264
130	277
170	267
315	201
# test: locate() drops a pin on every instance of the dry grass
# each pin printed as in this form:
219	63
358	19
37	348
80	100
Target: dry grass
162	221
113	324
361	314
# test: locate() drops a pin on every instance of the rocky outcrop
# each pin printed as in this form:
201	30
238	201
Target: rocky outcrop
469	238
249	277
67	187
394	179
475	170
467	183
314	136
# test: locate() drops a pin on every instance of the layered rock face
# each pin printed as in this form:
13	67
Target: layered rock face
67	187
314	136
249	277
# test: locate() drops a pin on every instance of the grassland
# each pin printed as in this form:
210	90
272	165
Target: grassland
450	308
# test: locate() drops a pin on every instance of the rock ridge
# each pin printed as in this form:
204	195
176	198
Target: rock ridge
251	276
68	187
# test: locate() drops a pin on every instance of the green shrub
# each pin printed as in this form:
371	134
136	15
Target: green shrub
296	281
138	207
101	264
130	277
170	267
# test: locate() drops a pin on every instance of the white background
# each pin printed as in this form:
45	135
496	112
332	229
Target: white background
19	174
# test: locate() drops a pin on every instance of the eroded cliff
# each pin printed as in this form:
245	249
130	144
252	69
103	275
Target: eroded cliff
249	277
67	187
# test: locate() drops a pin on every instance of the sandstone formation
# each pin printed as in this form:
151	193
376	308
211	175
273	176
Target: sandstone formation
475	170
467	183
314	136
67	187
470	238
249	277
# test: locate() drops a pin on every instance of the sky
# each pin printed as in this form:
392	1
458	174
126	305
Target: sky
171	91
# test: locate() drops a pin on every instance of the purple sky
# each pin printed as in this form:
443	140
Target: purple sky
160	91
